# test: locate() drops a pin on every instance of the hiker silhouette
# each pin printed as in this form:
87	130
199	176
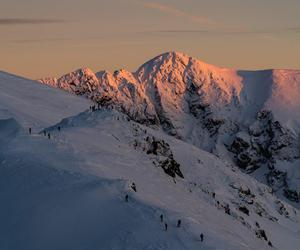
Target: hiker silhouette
201	237
133	186
161	218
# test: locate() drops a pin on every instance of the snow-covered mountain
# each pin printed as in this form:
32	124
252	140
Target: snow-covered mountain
63	185
251	118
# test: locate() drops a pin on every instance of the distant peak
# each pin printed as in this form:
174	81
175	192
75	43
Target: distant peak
173	61
171	55
82	73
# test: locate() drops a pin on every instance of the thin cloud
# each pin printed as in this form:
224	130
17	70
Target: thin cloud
27	21
55	40
40	40
286	30
175	12
235	32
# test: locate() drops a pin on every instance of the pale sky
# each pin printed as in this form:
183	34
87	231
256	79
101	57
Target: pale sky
41	38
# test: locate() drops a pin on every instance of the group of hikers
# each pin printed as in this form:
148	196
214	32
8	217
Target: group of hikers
133	186
93	107
44	132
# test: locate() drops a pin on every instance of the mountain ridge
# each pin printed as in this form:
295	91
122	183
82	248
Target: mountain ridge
209	107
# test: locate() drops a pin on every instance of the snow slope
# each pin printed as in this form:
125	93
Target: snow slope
32	105
67	192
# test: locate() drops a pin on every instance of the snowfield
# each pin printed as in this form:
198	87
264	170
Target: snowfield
64	185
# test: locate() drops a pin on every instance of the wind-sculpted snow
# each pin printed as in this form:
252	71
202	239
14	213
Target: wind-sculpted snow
209	107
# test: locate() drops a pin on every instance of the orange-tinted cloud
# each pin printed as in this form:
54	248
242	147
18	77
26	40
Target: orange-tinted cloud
176	12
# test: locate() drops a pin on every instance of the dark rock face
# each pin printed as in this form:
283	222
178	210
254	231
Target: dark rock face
201	110
158	147
240	144
171	167
261	234
282	209
245	192
292	195
197	107
273	141
244	209
165	158
266	142
247	156
158	150
213	125
276	179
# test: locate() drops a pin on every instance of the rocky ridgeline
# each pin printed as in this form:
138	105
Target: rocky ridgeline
80	82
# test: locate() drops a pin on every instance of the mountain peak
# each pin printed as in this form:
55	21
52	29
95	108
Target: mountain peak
174	61
176	55
84	70
164	58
